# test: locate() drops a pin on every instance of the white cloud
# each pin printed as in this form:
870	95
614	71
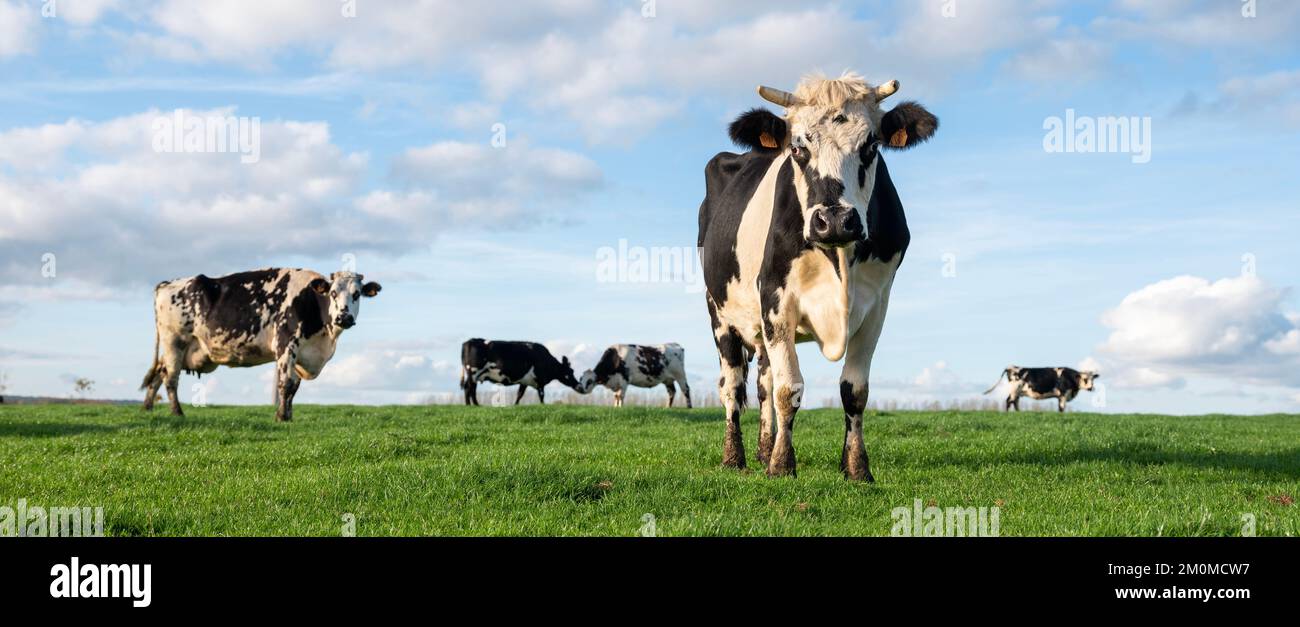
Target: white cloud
114	211
17	28
1203	23
1233	328
611	72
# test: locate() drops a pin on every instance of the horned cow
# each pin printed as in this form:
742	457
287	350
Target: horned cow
800	238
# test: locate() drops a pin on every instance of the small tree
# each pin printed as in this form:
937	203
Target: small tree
83	386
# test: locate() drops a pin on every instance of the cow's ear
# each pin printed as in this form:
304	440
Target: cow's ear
371	289
320	286
759	129
907	125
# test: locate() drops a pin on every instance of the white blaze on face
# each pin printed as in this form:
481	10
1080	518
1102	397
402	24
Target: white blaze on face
827	137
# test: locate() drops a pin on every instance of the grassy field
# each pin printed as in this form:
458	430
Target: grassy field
563	470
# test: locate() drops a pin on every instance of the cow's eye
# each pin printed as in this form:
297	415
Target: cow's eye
840	119
356	296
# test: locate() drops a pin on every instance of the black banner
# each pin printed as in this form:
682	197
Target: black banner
174	575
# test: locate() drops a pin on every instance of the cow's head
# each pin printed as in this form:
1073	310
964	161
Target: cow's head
1086	378
344	290
833	130
587	382
566	375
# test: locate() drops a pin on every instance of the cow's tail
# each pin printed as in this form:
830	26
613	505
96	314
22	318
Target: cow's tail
1005	373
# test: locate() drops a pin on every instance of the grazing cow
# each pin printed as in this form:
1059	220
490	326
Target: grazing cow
287	316
800	239
526	364
624	365
1063	384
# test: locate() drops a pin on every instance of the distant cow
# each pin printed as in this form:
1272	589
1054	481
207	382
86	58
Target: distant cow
526	364
625	365
1063	384
800	239
287	316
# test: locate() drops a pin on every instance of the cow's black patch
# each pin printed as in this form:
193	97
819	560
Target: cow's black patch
730	182
887	232
650	361
236	304
785	242
1045	381
610	364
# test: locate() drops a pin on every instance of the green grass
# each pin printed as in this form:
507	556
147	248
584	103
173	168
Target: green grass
562	470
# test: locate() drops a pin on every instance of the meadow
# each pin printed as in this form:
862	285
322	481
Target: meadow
574	470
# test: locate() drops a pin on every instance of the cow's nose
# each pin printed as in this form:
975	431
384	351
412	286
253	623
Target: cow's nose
835	226
346	321
821	225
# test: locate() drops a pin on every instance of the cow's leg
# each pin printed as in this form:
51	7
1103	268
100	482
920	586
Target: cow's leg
152	388
686	391
1060	404
287	377
731	389
471	391
787	396
519	397
541	395
672	391
173	359
766	413
618	397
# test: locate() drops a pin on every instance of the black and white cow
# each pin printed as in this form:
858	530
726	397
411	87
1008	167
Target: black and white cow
624	365
1063	384
800	240
288	316
526	364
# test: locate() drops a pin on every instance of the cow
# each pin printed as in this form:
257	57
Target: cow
526	364
624	365
292	317
1063	384
800	238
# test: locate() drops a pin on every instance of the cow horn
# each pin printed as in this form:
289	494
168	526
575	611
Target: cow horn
776	96
886	90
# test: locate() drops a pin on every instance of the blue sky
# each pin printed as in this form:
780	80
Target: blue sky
1175	278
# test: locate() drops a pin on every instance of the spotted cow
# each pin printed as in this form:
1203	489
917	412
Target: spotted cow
288	316
624	365
1063	384
526	364
800	238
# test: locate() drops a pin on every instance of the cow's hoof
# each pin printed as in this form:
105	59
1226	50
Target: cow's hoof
778	470
859	475
733	452
765	450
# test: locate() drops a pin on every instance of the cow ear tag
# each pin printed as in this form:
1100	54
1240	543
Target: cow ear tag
898	139
767	140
